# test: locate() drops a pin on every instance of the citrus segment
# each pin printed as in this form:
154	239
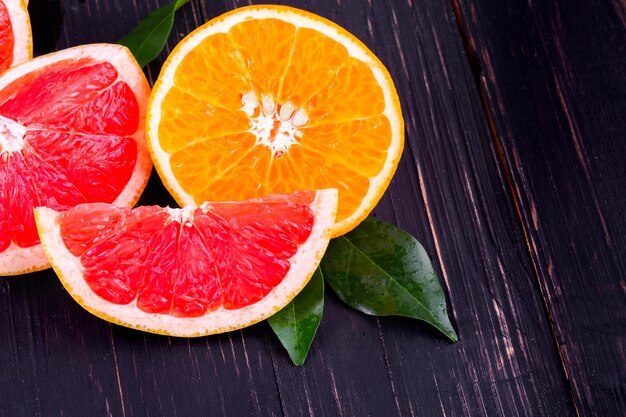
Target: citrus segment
18	200
265	67
16	44
208	121
6	36
60	159
226	153
191	271
313	62
71	131
309	107
215	84
352	94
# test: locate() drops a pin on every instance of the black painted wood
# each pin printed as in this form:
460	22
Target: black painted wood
450	191
553	74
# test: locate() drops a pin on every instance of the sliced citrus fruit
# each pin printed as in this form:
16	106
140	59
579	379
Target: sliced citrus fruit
271	99
71	131
191	271
16	41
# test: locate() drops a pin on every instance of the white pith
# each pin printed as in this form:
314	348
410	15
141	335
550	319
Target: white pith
303	264
355	49
275	126
17	260
183	215
11	136
20	21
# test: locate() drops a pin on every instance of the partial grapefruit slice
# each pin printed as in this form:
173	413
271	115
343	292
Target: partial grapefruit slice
71	131
16	41
271	99
193	271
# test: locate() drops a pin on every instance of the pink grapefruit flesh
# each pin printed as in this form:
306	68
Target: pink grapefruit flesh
71	132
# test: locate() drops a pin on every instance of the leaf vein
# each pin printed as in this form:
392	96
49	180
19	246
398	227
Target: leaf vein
391	278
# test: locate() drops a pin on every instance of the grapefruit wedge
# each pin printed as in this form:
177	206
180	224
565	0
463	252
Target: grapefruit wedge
16	41
71	132
193	271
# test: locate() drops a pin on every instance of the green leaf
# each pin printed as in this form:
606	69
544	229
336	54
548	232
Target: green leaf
148	38
381	270
296	324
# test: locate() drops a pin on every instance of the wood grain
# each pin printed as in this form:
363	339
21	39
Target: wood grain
553	75
450	192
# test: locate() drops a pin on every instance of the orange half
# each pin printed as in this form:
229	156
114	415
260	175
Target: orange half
272	99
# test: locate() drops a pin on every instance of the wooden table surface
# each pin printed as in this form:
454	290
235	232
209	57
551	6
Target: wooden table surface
513	178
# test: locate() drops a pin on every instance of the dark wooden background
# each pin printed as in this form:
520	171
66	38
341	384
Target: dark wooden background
513	178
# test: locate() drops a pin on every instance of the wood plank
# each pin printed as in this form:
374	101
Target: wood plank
51	351
553	77
450	194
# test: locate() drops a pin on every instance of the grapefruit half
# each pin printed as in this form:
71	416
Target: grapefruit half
71	131
193	271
